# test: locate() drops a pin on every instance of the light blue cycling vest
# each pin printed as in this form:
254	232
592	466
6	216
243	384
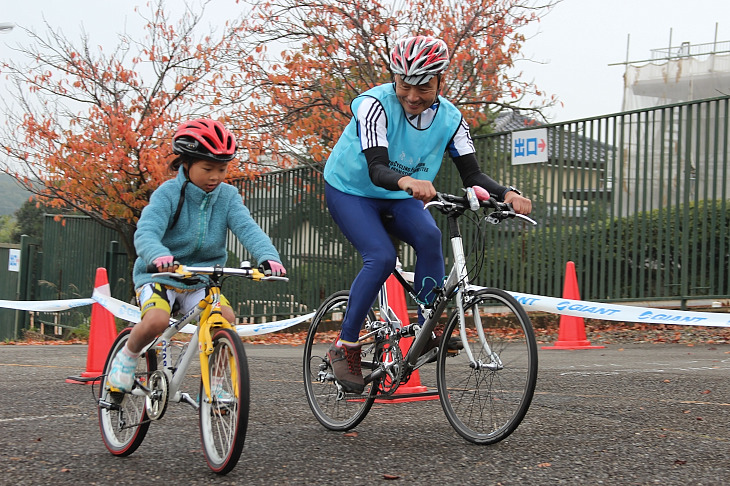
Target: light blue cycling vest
414	152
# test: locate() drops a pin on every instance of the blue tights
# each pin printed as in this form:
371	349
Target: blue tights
361	221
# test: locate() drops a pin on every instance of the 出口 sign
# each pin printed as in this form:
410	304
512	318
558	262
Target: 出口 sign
529	146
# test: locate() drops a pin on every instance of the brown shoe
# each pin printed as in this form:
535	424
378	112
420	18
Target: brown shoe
345	361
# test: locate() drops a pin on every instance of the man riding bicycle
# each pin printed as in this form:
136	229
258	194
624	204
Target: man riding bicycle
384	164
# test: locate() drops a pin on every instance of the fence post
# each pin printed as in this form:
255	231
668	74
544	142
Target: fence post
110	261
22	289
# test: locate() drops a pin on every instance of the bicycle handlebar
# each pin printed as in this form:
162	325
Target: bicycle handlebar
473	200
187	272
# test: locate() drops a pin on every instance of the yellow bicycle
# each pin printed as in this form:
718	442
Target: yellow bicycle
223	399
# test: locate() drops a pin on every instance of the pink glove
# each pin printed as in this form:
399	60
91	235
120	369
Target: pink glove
272	268
163	261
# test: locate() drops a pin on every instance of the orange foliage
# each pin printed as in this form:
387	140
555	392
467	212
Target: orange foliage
94	125
332	50
95	130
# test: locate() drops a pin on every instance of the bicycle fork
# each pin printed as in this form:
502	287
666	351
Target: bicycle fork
458	280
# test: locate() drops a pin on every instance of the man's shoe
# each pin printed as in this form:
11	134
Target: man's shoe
121	376
345	362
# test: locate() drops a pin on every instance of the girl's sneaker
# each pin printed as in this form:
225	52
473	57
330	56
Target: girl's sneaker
121	376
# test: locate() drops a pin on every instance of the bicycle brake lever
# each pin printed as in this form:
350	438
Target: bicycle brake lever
276	278
496	217
434	203
526	218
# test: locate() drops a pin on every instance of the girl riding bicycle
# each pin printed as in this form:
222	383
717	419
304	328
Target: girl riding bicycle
383	165
187	221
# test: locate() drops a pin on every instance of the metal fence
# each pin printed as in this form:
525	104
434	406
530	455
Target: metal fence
638	200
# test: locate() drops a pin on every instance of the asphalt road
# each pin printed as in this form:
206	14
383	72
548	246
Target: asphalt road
638	414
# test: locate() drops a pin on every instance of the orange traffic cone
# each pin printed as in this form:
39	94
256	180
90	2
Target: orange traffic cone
572	332
102	333
412	390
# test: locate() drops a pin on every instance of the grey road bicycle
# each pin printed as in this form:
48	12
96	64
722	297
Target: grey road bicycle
222	399
485	388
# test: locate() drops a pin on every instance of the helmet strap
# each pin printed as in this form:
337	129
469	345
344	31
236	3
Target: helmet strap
179	203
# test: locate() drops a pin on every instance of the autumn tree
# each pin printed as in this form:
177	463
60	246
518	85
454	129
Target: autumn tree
93	124
302	62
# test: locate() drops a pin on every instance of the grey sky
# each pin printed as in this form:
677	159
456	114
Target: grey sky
580	38
576	42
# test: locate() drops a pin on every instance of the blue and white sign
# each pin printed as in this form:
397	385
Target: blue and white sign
14	260
529	146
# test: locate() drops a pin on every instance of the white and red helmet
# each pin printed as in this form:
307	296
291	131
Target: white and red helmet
419	58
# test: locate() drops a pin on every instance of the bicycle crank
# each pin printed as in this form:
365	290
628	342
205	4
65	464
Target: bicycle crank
156	400
391	363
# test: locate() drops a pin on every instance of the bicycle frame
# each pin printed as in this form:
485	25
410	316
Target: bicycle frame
209	313
456	287
457	280
486	365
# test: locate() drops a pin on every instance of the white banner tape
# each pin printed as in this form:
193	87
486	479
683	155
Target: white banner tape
131	313
120	309
263	328
44	305
625	313
531	303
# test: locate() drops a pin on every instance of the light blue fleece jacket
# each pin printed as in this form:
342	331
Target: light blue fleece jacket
199	236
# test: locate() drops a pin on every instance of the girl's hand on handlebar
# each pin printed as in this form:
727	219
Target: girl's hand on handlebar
421	190
520	204
165	263
272	268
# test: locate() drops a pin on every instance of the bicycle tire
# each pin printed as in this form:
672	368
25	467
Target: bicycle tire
336	411
486	405
123	427
224	418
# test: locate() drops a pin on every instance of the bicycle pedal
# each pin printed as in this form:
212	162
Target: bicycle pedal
115	399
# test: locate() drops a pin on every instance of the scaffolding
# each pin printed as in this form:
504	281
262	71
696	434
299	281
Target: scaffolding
676	74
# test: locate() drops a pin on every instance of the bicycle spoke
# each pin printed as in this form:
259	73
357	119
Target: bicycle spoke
333	408
484	401
224	417
124	422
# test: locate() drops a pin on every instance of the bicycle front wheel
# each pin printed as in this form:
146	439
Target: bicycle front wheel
334	408
224	417
486	398
122	416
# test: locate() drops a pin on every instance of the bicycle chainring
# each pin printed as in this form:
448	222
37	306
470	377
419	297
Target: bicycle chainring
156	402
391	359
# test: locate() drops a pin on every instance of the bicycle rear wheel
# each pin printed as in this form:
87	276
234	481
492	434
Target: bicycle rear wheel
485	401
333	408
122	416
224	417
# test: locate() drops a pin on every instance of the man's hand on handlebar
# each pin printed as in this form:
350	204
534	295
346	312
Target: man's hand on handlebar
520	204
421	190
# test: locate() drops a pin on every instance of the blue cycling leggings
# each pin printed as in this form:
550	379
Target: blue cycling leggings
361	221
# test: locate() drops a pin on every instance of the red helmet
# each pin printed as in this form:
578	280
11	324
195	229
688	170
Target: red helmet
419	58
204	139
